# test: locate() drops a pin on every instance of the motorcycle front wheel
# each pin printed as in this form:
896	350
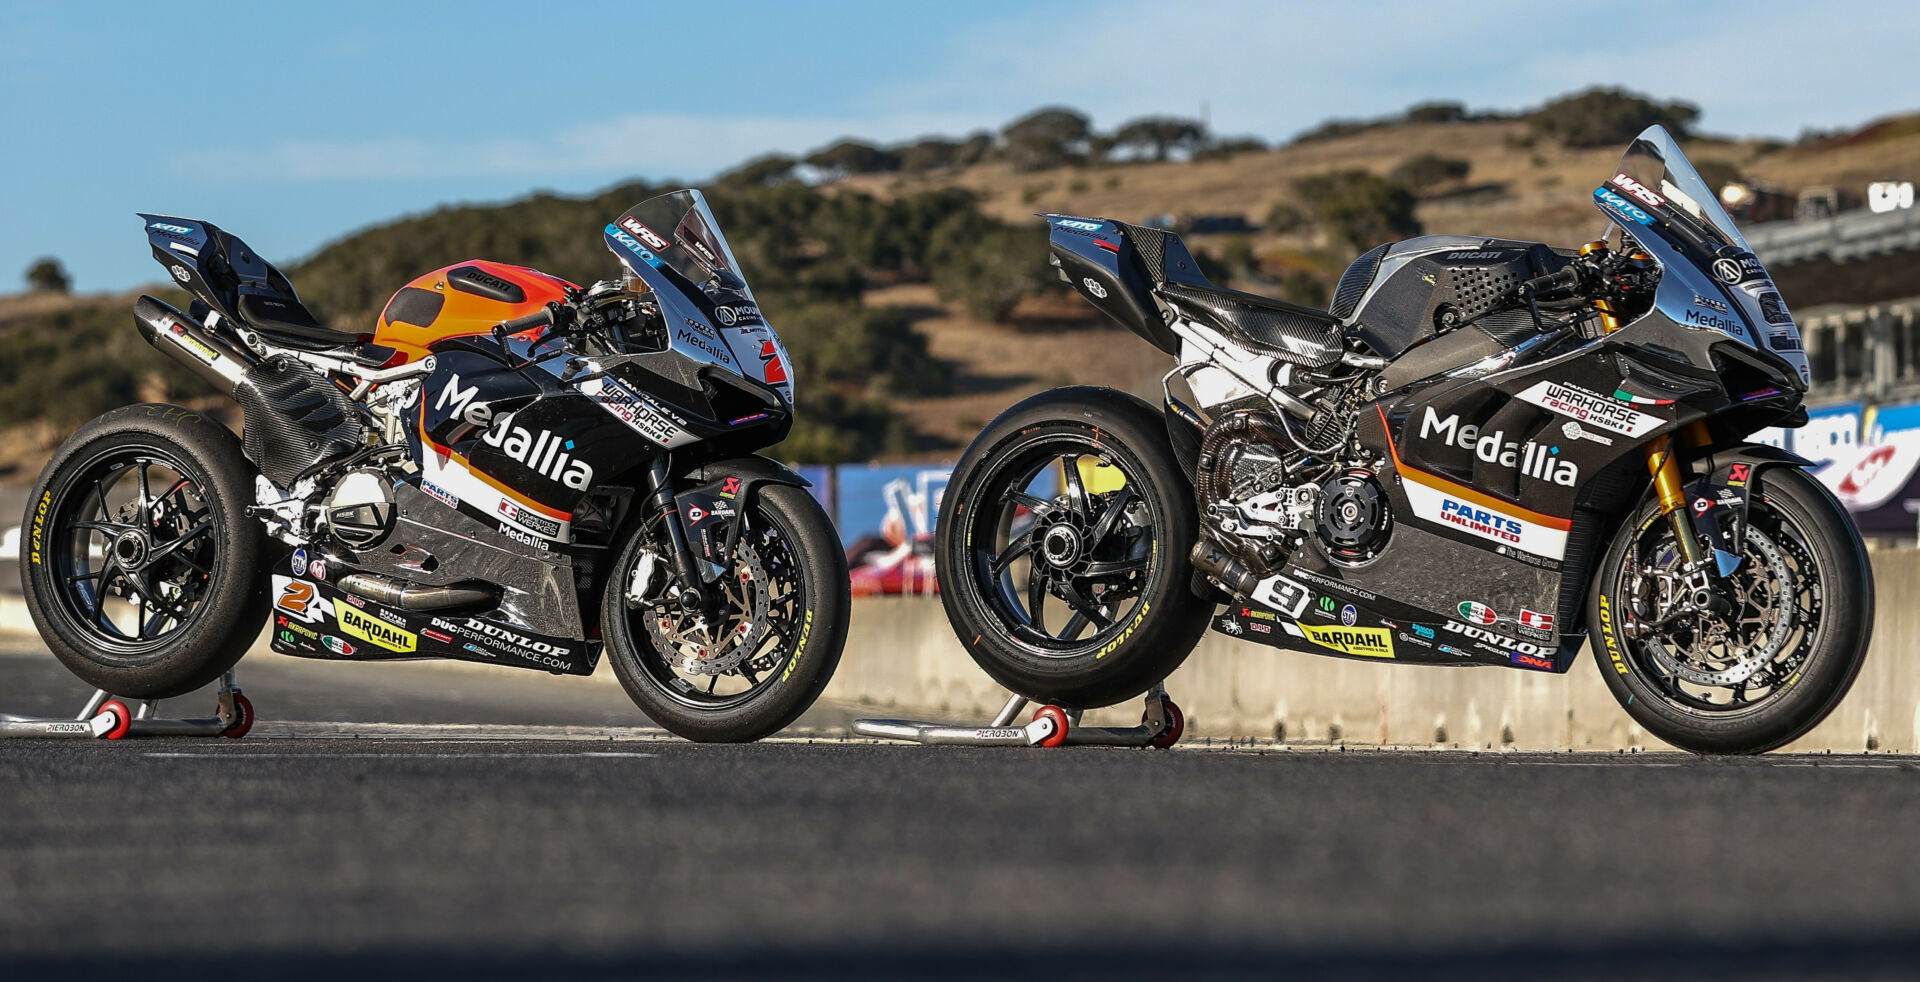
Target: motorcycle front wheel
752	667
1768	671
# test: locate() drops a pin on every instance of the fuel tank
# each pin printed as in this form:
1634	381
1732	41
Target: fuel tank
1429	285
462	299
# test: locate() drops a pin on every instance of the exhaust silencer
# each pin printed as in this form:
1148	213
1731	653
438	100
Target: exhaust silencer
1214	561
186	341
414	596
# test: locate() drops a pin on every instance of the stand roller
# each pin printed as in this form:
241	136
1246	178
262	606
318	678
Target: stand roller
107	718
1161	725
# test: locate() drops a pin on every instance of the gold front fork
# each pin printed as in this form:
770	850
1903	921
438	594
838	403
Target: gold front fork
1664	465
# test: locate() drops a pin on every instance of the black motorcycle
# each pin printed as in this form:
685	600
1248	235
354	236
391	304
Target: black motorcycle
1487	451
509	470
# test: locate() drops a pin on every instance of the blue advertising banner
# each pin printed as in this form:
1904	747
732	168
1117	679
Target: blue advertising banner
1831	432
1898	418
821	476
886	514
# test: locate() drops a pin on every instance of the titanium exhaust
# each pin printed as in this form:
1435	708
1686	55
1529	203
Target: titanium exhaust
414	596
188	342
1214	561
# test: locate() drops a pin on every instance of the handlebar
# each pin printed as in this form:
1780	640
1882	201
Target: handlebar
1556	286
546	316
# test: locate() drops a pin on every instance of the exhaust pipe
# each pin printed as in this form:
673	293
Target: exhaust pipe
1214	561
188	342
413	596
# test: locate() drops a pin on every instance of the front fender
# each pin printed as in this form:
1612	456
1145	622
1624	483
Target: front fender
710	494
745	473
1721	483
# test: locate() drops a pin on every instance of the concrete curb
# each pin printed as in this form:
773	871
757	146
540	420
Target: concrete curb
902	660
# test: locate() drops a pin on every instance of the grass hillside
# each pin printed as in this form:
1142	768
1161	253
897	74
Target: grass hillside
1516	186
916	301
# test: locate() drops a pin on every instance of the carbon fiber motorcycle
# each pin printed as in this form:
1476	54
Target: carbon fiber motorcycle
1487	452
510	470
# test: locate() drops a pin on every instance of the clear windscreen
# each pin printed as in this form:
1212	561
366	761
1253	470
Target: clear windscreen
676	234
672	243
1658	197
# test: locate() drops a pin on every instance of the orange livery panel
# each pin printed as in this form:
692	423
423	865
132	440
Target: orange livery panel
463	299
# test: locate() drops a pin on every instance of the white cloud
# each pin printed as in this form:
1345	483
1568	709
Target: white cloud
1275	69
1265	68
641	144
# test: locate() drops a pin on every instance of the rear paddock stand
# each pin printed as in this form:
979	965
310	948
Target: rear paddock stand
1052	726
105	717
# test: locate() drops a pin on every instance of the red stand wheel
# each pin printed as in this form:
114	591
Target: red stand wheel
122	718
1059	717
1176	725
243	718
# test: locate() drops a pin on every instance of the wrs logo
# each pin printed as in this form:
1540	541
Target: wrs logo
543	452
644	234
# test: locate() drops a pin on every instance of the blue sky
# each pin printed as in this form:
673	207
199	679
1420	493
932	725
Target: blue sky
294	124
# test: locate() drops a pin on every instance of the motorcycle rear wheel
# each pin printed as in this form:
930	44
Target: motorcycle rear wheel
1773	670
140	566
1082	597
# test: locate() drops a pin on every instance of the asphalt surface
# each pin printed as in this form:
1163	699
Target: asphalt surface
623	857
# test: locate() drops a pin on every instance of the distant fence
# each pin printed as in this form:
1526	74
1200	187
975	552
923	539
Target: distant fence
1842	238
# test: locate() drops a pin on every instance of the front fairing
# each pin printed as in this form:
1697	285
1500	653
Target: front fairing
673	244
1710	278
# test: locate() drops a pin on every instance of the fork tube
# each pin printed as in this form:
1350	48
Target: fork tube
663	502
1673	499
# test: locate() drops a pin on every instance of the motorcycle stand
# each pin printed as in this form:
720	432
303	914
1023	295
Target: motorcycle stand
105	717
1052	726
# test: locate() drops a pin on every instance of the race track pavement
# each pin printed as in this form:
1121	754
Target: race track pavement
305	857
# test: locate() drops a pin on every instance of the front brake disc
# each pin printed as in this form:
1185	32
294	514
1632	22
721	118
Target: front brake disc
1749	652
692	644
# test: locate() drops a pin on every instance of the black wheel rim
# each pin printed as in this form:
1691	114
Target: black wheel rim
775	584
134	551
1723	666
1061	542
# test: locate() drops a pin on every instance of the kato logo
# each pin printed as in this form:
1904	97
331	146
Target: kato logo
375	630
1612	199
1367	642
617	234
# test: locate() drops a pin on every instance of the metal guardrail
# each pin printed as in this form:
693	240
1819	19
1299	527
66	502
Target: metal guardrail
1869	353
1842	238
